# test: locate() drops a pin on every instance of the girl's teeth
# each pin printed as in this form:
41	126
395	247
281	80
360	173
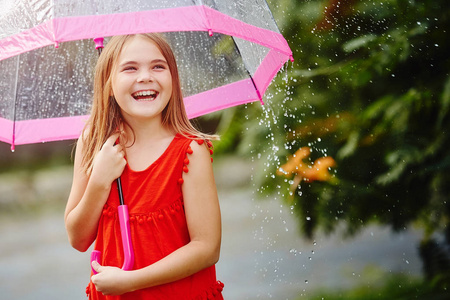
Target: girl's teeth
151	94
145	93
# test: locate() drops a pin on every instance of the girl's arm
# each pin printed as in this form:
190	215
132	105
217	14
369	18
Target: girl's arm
89	194
204	224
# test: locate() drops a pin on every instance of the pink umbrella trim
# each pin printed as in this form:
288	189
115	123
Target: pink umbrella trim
53	129
192	18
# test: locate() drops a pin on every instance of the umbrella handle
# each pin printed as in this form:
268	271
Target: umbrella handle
125	232
124	222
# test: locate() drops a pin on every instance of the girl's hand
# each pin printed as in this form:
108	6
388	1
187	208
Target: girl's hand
110	280
109	162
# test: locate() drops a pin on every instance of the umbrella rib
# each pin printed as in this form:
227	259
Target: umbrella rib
15	105
248	72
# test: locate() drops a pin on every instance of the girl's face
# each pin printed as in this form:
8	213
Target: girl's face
141	81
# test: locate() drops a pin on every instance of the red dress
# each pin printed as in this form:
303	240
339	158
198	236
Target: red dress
158	226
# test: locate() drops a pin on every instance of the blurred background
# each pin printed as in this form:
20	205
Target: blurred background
337	188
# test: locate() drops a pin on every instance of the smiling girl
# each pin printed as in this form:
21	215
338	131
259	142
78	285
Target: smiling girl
138	130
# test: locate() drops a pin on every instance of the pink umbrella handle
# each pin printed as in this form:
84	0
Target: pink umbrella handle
124	222
95	256
125	231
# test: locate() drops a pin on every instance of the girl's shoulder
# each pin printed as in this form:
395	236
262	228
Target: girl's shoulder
198	149
196	142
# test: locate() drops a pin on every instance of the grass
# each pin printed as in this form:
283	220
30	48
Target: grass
395	287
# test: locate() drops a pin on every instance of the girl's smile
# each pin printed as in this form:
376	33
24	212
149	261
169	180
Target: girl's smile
148	95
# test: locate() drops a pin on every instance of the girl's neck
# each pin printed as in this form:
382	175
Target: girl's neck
146	142
146	132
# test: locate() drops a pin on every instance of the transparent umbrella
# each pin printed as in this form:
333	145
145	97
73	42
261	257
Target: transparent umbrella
227	52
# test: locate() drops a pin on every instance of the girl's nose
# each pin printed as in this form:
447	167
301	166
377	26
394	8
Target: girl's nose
145	76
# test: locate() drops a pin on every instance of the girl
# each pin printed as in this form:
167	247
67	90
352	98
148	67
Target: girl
138	130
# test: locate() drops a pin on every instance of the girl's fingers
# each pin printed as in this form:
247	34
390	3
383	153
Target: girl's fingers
110	160
118	147
97	267
120	150
112	139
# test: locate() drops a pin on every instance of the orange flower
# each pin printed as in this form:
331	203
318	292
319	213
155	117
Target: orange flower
295	164
320	169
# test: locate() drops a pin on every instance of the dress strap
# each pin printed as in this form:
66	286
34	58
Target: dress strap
189	152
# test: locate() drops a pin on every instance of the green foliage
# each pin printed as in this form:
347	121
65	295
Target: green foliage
394	287
370	87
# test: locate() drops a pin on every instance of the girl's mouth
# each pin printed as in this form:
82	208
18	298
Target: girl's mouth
148	95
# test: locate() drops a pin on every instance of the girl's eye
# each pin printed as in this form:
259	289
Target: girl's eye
159	67
129	69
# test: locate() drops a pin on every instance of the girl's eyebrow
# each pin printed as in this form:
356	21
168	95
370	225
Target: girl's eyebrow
132	62
159	60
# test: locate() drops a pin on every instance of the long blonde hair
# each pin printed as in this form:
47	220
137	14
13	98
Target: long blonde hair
106	118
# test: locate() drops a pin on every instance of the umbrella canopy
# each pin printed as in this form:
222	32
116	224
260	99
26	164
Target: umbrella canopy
227	52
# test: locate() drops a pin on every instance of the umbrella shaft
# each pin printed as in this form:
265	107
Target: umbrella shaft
119	189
